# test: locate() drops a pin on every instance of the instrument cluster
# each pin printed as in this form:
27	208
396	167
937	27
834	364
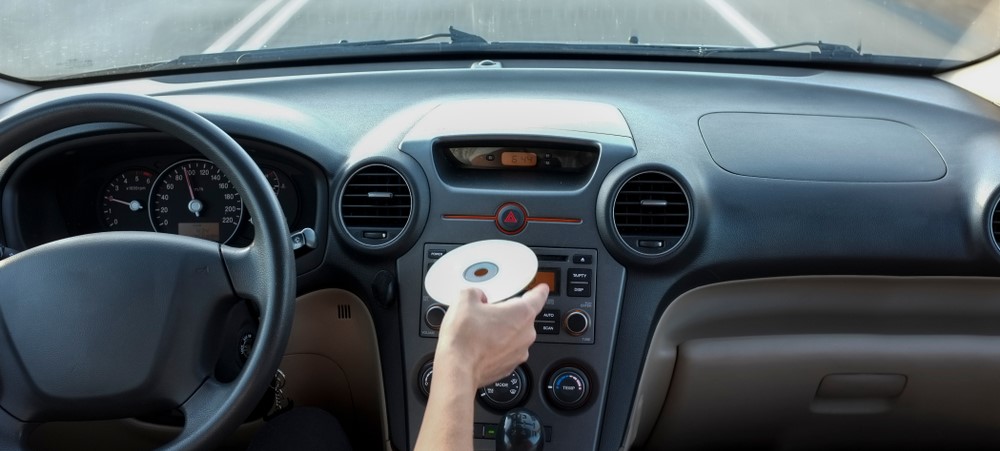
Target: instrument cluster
144	182
191	197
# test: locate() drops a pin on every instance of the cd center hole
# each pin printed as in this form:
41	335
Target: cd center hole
481	272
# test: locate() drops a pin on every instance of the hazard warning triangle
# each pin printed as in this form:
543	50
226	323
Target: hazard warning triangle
510	218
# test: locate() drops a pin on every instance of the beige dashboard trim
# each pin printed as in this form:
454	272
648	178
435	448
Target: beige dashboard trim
813	305
979	79
332	360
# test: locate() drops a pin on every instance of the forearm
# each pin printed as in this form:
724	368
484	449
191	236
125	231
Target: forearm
448	419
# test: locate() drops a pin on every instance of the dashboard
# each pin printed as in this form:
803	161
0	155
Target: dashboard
636	184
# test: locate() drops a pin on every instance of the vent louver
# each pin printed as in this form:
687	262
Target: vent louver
376	204
651	213
995	223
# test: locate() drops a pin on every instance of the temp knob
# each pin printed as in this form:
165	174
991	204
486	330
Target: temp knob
576	322
434	316
424	378
507	392
568	388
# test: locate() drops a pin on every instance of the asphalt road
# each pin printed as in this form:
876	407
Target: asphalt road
41	37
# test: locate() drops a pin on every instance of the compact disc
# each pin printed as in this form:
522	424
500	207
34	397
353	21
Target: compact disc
500	268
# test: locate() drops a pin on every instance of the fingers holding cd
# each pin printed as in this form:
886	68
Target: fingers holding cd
489	339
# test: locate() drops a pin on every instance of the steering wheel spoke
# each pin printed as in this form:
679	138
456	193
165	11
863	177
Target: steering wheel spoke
199	410
243	266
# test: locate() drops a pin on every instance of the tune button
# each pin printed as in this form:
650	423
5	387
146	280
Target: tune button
576	322
434	316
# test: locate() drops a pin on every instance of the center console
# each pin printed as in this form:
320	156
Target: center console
562	381
531	172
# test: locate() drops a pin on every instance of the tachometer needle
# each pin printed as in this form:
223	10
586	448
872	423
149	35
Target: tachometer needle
134	205
195	205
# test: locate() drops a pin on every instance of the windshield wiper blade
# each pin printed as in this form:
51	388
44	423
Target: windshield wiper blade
234	58
825	49
457	37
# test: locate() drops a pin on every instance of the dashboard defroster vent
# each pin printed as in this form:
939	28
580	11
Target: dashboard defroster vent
376	204
651	213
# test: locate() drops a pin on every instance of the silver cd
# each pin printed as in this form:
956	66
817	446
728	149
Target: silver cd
500	268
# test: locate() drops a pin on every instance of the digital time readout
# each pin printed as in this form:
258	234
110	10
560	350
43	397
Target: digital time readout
548	277
519	159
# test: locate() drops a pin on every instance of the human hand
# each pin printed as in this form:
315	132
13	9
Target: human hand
489	339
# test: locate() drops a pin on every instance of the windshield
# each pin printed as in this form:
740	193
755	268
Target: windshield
51	39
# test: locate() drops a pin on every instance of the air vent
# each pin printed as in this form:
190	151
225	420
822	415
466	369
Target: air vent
376	204
651	213
995	221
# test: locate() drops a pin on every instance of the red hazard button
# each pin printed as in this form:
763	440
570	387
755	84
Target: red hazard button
511	218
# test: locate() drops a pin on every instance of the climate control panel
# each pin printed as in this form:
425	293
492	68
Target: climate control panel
568	315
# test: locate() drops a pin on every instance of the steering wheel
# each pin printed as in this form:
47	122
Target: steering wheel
124	324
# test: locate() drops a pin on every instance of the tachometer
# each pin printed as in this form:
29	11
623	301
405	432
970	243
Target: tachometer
194	198
123	201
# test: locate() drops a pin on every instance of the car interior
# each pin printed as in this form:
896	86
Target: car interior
742	253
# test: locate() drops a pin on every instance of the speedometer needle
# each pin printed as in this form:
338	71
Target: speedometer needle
134	205
195	205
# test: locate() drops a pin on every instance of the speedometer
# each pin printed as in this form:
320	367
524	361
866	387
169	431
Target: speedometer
194	198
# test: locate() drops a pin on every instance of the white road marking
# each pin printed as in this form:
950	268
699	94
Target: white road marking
271	27
753	34
241	27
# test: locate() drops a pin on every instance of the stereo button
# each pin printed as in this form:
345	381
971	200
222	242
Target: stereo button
547	328
579	275
579	290
548	315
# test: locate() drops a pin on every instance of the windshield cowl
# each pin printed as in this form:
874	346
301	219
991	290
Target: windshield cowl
105	38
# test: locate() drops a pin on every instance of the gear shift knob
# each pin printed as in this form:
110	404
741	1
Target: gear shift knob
520	430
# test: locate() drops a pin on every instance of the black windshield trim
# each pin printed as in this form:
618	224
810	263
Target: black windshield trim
303	57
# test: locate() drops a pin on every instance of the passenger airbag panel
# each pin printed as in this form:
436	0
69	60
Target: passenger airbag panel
820	148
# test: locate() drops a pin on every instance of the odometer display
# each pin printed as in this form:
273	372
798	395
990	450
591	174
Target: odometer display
194	198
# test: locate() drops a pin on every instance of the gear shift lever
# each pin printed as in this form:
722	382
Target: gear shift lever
520	430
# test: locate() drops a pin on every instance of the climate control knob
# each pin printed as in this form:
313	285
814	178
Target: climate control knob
576	322
568	388
506	393
424	378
